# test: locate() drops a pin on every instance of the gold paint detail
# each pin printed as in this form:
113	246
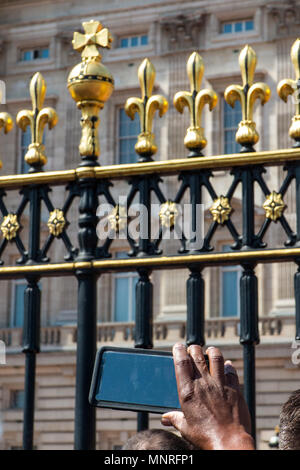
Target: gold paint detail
6	123
195	100
221	210
37	119
10	226
247	94
166	167
90	83
56	222
118	218
288	87
146	106
168	214
274	206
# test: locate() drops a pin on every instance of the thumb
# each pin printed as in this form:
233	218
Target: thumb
174	418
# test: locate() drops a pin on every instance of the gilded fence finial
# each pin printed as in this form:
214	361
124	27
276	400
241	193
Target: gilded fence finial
195	100
6	123
247	94
90	84
146	107
288	87
37	118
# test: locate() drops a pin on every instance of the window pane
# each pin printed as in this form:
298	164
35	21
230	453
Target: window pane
134	41
144	40
25	142
27	55
227	28
18	317
121	299
238	27
45	53
232	117
124	42
230	293
134	281
17	399
128	132
249	25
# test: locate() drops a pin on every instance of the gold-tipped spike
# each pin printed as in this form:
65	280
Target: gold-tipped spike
247	94
146	107
6	123
37	119
195	100
90	84
288	87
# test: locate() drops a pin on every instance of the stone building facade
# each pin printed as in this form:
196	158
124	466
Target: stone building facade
36	36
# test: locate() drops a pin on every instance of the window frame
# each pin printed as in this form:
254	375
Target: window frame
32	49
238	270
233	22
223	127
130	37
118	140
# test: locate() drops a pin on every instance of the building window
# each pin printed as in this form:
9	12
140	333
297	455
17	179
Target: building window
134	41
24	144
231	119
127	137
16	401
237	27
34	54
18	304
124	294
230	289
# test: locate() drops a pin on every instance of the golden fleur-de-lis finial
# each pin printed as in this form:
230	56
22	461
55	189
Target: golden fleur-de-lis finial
288	87
146	107
195	100
6	123
247	94
95	36
37	119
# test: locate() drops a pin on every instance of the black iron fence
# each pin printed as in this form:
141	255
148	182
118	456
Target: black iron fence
90	85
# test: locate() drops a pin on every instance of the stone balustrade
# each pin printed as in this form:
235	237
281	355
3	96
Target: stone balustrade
218	330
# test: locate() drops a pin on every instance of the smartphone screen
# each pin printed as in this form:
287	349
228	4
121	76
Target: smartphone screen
139	380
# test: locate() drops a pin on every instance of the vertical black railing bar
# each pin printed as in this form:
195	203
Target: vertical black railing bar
85	414
249	337
32	313
195	308
143	326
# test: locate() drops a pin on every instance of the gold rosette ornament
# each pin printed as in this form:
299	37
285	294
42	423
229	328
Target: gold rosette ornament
247	94
195	100
288	87
10	226
146	106
56	222
274	206
168	214
221	210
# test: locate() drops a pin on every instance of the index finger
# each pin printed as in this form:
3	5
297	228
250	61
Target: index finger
183	365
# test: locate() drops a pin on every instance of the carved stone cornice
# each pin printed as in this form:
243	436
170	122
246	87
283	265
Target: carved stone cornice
287	17
181	31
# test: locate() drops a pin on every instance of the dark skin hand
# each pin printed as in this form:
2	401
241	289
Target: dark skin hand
214	415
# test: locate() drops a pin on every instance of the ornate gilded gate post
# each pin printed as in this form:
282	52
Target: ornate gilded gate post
90	85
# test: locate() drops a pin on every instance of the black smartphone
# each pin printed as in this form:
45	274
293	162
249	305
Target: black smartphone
134	379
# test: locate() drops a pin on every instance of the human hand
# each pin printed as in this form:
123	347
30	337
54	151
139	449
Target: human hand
212	416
